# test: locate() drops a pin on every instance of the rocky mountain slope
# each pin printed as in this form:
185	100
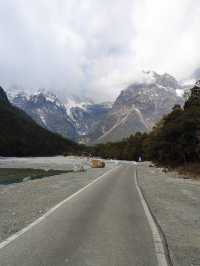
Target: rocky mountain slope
20	135
138	107
87	116
47	111
73	119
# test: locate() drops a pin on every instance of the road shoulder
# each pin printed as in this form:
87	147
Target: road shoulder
175	203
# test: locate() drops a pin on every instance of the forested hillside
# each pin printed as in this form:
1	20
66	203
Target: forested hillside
175	140
21	136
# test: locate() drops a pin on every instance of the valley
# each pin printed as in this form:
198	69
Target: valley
137	108
99	133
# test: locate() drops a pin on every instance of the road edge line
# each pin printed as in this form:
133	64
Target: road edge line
13	237
159	245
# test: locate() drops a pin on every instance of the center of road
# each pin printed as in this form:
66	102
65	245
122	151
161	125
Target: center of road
105	223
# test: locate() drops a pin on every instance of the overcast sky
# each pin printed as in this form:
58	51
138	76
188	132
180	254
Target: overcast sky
95	47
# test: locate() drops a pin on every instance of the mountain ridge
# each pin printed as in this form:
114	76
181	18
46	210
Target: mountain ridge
139	107
20	135
72	118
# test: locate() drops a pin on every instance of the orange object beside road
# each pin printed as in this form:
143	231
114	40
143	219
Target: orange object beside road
97	164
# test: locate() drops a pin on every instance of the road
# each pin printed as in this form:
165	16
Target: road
103	225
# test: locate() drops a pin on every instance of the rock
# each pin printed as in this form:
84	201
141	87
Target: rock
97	164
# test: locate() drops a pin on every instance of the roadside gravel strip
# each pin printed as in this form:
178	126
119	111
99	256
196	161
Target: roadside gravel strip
22	203
175	203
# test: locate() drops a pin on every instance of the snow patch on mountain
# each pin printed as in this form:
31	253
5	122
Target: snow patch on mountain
73	118
72	103
139	106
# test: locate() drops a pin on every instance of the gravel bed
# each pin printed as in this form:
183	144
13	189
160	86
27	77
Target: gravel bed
176	204
46	163
22	203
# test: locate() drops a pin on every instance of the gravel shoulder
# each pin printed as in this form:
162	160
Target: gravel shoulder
175	202
22	203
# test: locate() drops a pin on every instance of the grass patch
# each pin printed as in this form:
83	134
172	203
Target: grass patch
17	175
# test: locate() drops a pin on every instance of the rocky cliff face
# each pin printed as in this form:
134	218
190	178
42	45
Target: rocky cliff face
87	116
47	111
20	135
73	119
139	107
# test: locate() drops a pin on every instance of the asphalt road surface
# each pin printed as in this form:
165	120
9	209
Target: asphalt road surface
103	225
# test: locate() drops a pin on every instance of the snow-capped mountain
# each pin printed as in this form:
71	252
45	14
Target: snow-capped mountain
73	118
139	107
48	111
87	116
75	102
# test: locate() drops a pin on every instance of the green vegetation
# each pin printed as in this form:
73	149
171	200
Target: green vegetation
174	141
127	149
21	136
16	175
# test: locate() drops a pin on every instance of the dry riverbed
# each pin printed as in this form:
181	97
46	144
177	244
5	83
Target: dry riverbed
175	202
21	203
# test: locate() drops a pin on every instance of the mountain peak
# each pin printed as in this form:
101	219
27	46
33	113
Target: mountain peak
139	106
165	80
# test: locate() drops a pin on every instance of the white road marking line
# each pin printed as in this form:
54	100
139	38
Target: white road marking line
158	243
39	220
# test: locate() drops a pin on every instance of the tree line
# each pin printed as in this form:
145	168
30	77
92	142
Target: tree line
21	136
175	139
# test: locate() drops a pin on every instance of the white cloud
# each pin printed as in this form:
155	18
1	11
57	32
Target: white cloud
95	47
167	35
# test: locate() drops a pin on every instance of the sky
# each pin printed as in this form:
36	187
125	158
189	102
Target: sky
95	48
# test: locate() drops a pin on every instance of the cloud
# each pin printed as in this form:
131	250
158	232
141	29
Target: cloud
167	35
95	47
